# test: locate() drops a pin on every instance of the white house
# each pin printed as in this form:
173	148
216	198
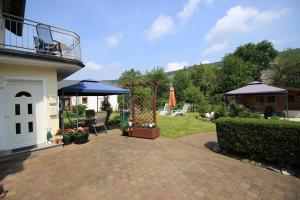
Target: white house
31	63
91	102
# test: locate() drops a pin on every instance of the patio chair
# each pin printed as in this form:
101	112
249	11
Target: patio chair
44	43
165	111
181	112
90	114
100	121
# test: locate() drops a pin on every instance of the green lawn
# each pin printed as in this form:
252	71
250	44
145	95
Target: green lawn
179	126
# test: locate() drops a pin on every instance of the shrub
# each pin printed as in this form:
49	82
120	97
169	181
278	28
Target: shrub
81	110
105	106
272	140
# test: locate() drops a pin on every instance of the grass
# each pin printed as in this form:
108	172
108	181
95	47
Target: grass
175	127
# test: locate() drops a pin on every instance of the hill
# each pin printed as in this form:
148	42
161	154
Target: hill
217	64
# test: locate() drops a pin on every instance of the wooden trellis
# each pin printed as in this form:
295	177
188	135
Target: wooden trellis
143	109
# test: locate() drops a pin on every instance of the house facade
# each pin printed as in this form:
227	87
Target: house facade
91	102
32	61
94	102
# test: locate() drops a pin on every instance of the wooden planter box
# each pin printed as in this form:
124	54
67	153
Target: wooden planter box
150	133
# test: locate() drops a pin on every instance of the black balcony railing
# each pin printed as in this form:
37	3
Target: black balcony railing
30	36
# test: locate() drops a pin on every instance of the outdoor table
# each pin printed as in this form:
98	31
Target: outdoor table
87	120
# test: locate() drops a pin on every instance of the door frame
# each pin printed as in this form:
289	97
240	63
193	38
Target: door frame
41	110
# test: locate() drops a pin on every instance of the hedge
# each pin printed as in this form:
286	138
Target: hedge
272	140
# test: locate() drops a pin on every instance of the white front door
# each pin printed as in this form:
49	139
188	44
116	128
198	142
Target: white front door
21	113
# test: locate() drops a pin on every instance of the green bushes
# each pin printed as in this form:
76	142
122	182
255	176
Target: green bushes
272	140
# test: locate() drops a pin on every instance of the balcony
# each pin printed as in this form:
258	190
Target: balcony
27	36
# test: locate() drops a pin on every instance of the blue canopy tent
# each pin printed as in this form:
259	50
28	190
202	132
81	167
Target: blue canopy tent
89	88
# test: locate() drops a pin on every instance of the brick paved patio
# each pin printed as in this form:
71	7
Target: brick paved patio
115	167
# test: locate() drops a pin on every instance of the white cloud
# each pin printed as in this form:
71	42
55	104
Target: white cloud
162	26
91	65
189	9
204	62
240	20
172	66
114	40
215	48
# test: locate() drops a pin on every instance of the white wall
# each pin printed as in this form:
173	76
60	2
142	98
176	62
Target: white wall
2	136
92	101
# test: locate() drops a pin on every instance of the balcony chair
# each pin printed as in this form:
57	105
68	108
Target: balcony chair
44	43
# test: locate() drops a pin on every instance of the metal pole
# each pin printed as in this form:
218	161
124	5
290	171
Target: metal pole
287	105
77	110
123	107
97	105
62	117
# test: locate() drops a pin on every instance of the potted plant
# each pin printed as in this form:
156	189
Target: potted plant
124	128
68	136
58	136
81	135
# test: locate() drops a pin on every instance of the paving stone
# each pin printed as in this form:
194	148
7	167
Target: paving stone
114	167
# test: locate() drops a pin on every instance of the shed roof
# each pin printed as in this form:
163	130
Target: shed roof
256	87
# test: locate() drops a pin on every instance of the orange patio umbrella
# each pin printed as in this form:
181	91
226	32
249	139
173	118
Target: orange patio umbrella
172	98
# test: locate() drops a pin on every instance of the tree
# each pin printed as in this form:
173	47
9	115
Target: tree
204	77
157	74
195	97
130	76
259	55
181	81
235	73
286	69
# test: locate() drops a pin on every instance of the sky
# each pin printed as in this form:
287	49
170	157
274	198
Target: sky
142	34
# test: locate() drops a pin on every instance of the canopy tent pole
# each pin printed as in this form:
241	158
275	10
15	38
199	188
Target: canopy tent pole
287	105
97	104
123	107
77	110
62	118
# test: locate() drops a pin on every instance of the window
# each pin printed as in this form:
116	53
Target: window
271	99
29	108
84	100
17	109
18	128
30	127
23	93
291	98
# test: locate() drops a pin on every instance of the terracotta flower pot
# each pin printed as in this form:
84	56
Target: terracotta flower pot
58	139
